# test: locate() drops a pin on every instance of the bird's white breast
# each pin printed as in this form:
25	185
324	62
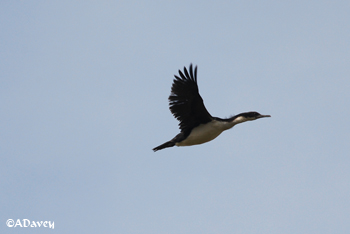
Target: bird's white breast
204	133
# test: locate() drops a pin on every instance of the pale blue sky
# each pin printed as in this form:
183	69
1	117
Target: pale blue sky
84	88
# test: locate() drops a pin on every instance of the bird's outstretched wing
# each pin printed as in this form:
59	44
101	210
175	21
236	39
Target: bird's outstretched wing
185	102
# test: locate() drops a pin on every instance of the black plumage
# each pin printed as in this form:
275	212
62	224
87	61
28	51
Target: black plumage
185	102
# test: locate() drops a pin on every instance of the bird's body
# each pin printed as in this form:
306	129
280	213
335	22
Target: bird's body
203	133
196	124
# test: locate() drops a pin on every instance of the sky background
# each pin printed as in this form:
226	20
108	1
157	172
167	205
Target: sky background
84	88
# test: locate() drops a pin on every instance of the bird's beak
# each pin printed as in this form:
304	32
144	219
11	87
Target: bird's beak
262	116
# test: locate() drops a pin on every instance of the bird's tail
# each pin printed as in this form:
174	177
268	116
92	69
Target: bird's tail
165	145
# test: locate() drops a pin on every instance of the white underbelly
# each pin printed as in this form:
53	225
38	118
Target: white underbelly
203	133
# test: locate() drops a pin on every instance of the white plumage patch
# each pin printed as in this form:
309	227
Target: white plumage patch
204	133
239	119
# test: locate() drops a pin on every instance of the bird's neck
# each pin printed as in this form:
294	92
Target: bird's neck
230	122
237	120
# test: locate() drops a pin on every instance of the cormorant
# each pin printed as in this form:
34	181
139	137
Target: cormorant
196	124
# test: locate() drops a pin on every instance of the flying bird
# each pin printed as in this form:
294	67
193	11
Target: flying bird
197	126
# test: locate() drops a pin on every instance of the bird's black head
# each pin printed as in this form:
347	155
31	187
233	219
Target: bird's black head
252	115
246	116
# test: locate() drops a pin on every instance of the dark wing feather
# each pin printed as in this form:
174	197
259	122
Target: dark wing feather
185	102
